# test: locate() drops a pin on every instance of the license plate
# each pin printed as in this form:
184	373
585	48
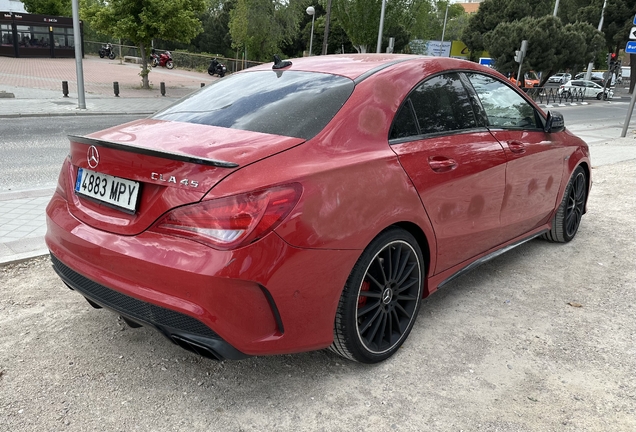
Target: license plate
115	191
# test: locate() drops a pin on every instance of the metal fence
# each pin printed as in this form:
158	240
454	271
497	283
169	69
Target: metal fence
549	95
182	59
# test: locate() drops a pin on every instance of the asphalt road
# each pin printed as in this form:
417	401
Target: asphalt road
33	148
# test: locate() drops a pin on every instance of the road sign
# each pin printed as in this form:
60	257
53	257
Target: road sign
631	47
634	19
632	33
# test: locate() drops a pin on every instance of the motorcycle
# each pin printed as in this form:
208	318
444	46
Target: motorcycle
107	51
217	68
163	60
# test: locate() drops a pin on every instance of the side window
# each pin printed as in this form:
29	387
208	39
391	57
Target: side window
404	125
504	107
441	104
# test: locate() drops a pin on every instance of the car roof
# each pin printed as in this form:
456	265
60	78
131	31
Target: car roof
357	66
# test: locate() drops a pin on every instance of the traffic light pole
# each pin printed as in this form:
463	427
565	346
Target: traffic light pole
519	58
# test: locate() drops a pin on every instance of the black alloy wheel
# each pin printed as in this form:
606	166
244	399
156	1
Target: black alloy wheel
570	212
381	299
575	205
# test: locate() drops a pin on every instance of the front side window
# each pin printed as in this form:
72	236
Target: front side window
504	107
438	105
291	103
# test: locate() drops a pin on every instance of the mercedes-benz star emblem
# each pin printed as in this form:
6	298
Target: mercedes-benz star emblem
92	156
387	296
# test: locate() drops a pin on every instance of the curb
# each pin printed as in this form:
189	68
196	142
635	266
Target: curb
18	258
80	114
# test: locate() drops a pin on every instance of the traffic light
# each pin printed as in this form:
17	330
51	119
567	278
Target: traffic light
518	56
611	61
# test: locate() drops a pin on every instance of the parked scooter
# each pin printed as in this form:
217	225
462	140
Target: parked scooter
107	51
163	60
217	68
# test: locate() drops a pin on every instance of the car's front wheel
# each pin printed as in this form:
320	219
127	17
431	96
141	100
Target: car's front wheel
381	299
567	219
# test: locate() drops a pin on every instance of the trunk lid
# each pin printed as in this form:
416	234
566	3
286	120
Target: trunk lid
172	163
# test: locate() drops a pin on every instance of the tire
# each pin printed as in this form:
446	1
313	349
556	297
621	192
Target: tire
567	219
599	96
155	63
169	64
101	54
383	291
111	56
221	74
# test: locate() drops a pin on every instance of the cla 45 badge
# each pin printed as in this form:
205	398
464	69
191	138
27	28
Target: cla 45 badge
173	179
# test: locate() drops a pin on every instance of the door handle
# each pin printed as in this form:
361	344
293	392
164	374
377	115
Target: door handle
442	163
516	147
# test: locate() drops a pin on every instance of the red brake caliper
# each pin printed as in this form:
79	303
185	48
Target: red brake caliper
363	300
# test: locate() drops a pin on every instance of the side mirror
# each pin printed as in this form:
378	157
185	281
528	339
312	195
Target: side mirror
554	122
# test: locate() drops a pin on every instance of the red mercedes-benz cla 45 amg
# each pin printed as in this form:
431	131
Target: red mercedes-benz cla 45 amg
310	204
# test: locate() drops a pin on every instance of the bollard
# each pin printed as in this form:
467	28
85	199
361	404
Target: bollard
116	88
163	88
202	84
65	88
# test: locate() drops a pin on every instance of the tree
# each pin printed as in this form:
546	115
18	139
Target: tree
499	26
49	7
360	19
141	21
262	26
429	19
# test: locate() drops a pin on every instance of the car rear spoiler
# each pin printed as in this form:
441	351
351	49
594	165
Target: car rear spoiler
152	152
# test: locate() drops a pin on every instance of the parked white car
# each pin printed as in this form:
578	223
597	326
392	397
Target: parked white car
560	78
588	88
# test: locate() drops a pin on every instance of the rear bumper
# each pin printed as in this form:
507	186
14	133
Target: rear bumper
181	329
265	298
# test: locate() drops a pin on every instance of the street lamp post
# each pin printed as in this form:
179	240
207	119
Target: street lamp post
311	11
379	47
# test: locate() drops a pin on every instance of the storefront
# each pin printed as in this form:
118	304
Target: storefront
28	35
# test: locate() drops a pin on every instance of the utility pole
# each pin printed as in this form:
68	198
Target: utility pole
325	44
77	38
588	74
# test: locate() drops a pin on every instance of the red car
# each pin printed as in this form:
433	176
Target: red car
313	203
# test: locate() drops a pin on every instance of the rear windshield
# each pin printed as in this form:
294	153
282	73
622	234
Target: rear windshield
289	103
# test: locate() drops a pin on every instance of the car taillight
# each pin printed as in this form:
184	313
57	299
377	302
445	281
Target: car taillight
231	222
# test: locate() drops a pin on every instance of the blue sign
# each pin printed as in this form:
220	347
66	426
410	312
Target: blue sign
634	19
488	61
631	47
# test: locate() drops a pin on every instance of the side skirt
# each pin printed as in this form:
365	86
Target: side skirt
488	257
